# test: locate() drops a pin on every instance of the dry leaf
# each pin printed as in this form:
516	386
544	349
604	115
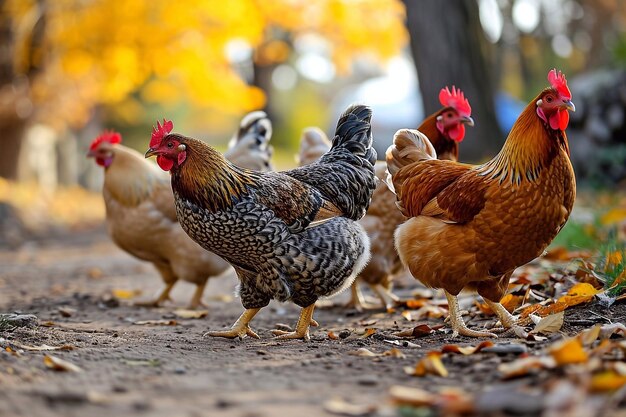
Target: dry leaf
43	348
509	301
341	407
578	294
394	353
429	311
523	366
549	324
59	364
332	335
466	350
67	311
411	396
561	253
615	215
415	304
420	330
157	322
607	381
609	330
590	335
568	351
429	364
368	333
125	294
363	352
407	315
191	314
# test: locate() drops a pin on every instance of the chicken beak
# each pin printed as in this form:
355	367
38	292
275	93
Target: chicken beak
150	152
467	120
569	105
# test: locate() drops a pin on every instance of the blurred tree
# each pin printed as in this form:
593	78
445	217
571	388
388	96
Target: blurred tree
449	48
120	55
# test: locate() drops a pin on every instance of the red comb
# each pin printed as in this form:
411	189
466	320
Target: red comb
159	132
456	100
106	136
559	83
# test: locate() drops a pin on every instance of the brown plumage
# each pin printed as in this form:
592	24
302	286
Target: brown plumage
141	216
471	226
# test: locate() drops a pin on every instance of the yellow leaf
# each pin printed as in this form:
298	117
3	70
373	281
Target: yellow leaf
568	352
368	332
407	315
394	353
332	335
125	294
607	381
429	364
549	324
523	366
578	294
191	314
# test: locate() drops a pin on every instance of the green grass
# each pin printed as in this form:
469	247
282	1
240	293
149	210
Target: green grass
575	236
612	267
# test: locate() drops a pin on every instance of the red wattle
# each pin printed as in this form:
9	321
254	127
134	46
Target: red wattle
165	163
457	133
563	119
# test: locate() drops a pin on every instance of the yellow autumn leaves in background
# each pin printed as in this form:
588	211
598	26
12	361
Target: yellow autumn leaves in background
158	51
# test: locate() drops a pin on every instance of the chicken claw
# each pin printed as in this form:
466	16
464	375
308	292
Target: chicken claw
507	319
240	329
302	327
165	296
357	300
457	323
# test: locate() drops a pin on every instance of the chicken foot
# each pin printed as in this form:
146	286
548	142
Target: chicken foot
165	296
302	327
241	328
357	300
387	298
457	323
507	319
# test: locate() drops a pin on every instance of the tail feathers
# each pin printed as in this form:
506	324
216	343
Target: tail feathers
354	133
409	146
345	174
313	144
249	148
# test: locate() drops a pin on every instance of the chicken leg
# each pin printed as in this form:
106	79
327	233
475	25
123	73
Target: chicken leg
302	328
196	300
507	319
358	301
165	296
387	298
456	320
241	328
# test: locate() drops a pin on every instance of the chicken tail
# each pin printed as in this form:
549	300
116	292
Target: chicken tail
409	146
249	148
313	144
345	174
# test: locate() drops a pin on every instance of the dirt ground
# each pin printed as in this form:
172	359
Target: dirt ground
144	370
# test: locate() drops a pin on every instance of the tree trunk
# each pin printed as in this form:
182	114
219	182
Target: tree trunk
450	48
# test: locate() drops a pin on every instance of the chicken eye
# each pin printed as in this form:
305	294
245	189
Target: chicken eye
549	99
170	145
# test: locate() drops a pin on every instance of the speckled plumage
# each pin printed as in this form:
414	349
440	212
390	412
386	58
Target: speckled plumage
290	235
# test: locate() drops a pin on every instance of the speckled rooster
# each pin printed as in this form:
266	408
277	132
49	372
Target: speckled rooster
290	235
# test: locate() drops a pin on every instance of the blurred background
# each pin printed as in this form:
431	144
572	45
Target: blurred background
71	68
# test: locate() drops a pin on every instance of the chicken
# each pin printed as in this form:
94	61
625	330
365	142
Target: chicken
471	226
140	211
291	235
445	129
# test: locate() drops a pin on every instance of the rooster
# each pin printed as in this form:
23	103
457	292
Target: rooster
140	211
290	235
445	129
471	226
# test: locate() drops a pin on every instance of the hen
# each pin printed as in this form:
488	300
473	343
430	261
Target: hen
290	235
445	129
471	226
140	211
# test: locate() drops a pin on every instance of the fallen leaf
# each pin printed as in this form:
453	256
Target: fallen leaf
420	330
466	350
590	335
67	311
615	215
363	352
509	301
407	315
394	353
415	304
332	335
549	324
368	332
191	314
142	362
42	348
403	343
561	253
157	322
523	366
59	364
578	294
411	396
429	364
125	294
429	311
607	381
609	330
568	351
341	407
